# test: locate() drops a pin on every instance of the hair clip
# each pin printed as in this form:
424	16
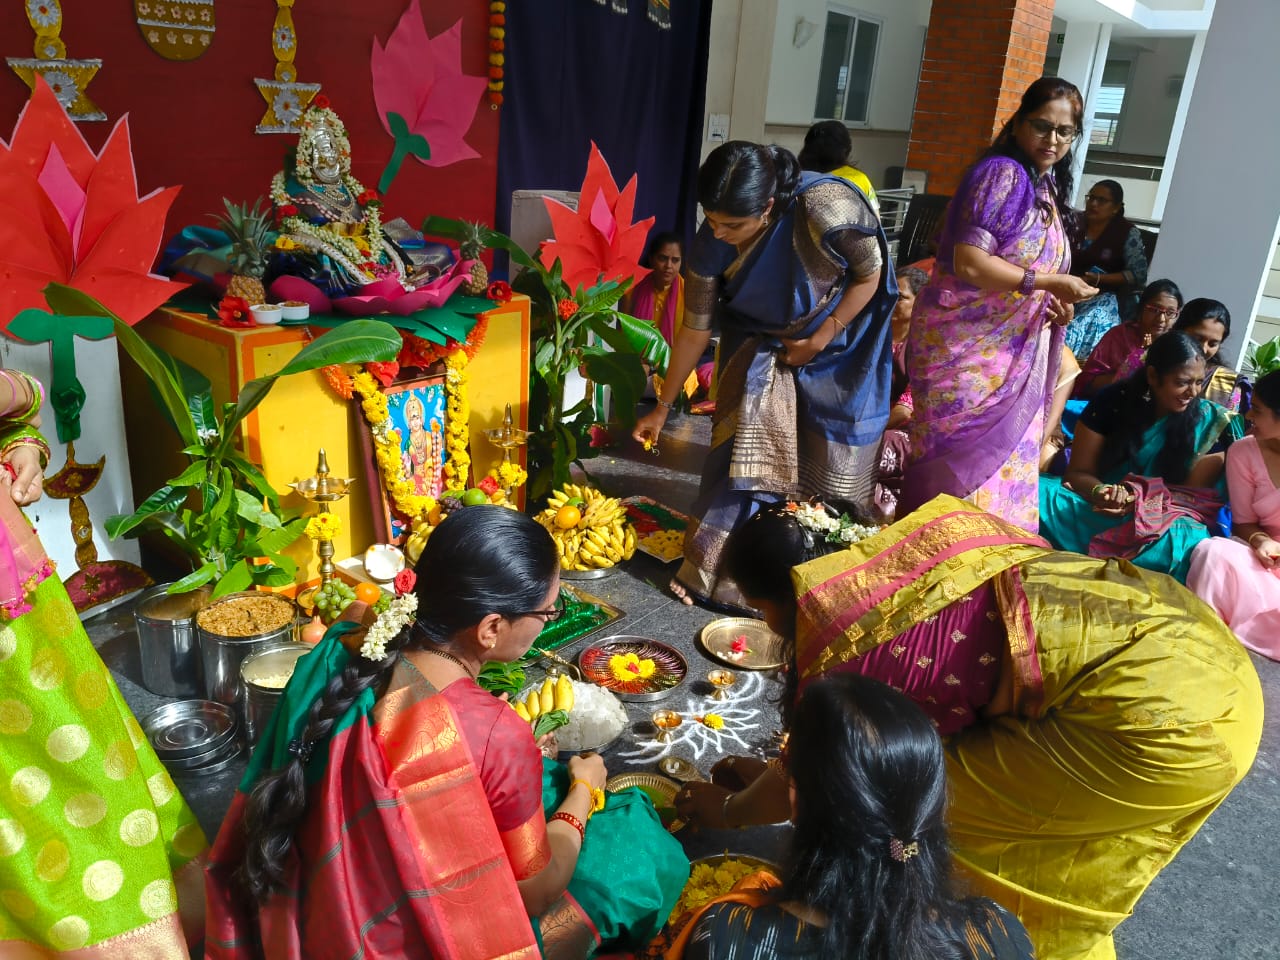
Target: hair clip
300	750
903	852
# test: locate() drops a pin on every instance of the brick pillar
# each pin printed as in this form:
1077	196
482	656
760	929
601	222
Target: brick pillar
979	57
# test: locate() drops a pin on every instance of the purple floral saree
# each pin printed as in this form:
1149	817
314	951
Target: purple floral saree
982	363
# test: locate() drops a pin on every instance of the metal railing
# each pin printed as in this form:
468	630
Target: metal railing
893	214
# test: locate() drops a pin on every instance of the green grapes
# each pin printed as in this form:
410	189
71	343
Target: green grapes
334	597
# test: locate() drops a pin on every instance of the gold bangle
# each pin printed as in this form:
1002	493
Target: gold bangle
1259	533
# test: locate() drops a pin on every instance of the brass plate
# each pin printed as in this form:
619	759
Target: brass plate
655	785
764	647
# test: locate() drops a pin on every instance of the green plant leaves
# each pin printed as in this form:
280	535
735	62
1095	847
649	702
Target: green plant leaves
452	229
356	341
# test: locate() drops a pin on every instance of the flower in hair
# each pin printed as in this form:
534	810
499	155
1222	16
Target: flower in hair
390	622
404	582
816	517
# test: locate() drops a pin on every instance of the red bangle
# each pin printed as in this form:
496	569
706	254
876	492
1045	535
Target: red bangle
10	469
572	821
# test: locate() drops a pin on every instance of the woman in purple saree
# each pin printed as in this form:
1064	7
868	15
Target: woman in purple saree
986	334
793	267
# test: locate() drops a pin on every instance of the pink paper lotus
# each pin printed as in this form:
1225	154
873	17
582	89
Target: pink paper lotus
71	217
381	296
597	242
421	79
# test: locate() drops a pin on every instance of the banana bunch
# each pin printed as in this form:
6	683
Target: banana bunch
548	707
590	529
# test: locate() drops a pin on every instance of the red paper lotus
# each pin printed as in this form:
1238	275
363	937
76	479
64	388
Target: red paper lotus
598	241
421	79
71	217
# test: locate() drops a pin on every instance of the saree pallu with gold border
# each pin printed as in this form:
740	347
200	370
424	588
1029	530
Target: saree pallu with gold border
1134	711
398	854
401	852
785	431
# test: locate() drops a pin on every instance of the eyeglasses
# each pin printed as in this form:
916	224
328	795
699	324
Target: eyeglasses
1043	128
548	616
1165	313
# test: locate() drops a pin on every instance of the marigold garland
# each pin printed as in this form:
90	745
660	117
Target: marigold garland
418	352
386	442
457	430
497	47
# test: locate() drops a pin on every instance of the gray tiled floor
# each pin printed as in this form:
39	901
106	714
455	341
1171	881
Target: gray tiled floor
1218	899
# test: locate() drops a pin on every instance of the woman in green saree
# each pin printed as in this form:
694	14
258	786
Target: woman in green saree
1142	483
100	857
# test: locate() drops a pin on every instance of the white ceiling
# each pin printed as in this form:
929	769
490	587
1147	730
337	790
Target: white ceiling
1131	18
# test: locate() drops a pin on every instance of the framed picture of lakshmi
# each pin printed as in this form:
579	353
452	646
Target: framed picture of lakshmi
417	405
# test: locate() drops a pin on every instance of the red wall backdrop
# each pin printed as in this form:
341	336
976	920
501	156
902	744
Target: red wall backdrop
193	122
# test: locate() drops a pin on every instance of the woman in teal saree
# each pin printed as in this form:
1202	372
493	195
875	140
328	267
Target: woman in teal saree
1142	484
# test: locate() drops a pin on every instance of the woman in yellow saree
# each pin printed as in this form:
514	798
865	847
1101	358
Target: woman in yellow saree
1095	714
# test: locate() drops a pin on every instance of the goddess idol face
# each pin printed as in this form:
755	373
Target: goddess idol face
326	164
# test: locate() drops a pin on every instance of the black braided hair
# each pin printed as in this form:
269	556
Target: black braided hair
480	561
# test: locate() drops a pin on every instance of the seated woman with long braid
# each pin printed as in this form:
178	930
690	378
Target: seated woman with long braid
393	808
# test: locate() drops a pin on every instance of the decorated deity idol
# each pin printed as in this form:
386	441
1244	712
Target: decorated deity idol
330	225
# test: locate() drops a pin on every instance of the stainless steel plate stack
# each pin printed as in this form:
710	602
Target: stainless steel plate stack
194	736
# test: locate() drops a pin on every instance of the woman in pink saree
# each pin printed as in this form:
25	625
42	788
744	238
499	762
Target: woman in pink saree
987	331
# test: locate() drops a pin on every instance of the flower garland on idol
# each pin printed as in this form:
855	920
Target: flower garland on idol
359	255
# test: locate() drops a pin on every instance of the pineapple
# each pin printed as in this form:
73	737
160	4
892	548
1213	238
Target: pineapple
247	226
471	247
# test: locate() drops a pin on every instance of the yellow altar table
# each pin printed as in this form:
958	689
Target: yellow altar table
301	414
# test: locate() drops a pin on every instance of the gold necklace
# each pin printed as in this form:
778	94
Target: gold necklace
439	652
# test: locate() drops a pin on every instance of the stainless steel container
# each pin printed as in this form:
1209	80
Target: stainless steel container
167	640
222	655
265	673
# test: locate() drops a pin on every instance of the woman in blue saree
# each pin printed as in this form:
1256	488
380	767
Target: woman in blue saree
1142	483
793	268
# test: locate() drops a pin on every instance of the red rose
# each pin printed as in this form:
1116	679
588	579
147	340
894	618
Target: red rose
599	436
288	210
489	485
321	102
499	291
567	308
404	582
234	312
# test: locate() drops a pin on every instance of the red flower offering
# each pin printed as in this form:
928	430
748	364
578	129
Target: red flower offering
234	312
499	291
489	485
321	102
404	582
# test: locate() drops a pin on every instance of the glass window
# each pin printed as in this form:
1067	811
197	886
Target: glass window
849	47
1109	104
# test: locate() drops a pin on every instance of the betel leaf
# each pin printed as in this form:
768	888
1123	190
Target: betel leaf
549	721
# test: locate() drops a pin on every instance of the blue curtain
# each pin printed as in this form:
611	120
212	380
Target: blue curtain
577	71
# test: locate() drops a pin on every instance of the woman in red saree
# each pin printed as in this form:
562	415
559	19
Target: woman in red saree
395	809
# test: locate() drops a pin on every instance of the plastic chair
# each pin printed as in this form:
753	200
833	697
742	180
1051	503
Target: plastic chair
924	219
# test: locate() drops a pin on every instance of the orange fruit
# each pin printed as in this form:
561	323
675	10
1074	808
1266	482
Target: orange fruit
567	517
368	592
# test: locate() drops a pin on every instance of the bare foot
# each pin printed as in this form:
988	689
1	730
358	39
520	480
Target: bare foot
682	594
